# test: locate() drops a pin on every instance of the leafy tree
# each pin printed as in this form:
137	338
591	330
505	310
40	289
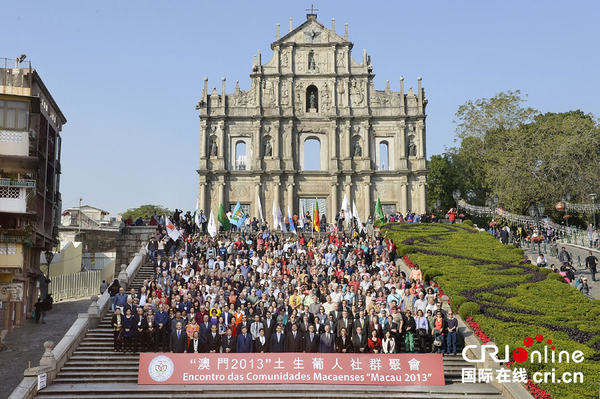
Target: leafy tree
442	179
146	211
501	112
523	156
542	161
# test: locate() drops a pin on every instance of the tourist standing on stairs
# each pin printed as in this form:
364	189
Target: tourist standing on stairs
117	323
128	331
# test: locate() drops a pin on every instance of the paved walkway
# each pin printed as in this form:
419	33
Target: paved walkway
575	251
26	343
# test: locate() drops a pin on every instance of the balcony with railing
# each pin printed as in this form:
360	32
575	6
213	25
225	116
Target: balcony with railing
16	195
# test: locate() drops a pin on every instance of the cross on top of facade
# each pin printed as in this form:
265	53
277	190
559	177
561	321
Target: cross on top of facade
312	9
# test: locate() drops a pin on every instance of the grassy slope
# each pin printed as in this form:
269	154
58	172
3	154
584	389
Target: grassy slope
516	299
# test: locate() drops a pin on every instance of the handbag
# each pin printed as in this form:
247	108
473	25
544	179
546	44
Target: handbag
422	332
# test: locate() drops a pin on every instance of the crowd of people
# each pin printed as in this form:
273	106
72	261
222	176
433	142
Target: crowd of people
261	291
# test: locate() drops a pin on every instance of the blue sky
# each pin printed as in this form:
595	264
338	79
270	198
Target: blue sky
128	75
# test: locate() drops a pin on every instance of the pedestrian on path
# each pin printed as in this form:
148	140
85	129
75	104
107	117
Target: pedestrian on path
591	262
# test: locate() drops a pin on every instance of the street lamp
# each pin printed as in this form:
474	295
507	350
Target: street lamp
49	257
536	211
593	197
456	196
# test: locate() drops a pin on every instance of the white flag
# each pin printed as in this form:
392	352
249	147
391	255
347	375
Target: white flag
275	220
197	216
355	214
280	219
212	225
262	219
346	209
292	227
301	220
171	229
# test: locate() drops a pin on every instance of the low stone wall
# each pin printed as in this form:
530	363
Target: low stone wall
55	357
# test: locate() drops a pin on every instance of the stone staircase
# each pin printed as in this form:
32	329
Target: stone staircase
96	371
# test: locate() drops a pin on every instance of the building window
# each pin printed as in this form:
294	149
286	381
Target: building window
240	155
312	154
384	156
312	99
14	115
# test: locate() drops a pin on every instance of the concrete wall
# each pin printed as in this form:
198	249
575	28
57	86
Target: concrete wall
67	261
94	240
129	240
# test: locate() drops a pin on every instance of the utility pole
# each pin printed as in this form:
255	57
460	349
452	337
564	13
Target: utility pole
79	216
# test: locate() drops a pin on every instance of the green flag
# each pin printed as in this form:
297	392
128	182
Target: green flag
222	218
379	211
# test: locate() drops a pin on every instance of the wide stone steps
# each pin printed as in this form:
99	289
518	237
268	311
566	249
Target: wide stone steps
95	371
120	389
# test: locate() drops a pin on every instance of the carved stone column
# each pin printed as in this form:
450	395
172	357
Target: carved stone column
334	200
404	187
401	142
221	194
276	193
367	197
257	192
290	198
202	196
421	138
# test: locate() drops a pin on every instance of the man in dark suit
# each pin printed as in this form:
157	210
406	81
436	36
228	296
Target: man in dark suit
303	327
277	341
360	341
343	342
291	322
293	340
344	322
178	340
226	315
327	341
311	340
269	325
204	329
336	313
244	323
244	341
139	331
360	321
229	342
213	340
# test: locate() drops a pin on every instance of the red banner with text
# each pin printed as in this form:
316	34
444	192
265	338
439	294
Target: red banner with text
299	368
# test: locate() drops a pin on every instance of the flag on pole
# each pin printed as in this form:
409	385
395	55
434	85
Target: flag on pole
262	219
275	220
302	218
379	211
280	219
238	216
346	209
212	225
171	229
223	219
355	215
292	227
316	215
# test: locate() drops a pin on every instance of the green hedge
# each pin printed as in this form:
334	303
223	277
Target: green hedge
468	222
462	259
469	309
